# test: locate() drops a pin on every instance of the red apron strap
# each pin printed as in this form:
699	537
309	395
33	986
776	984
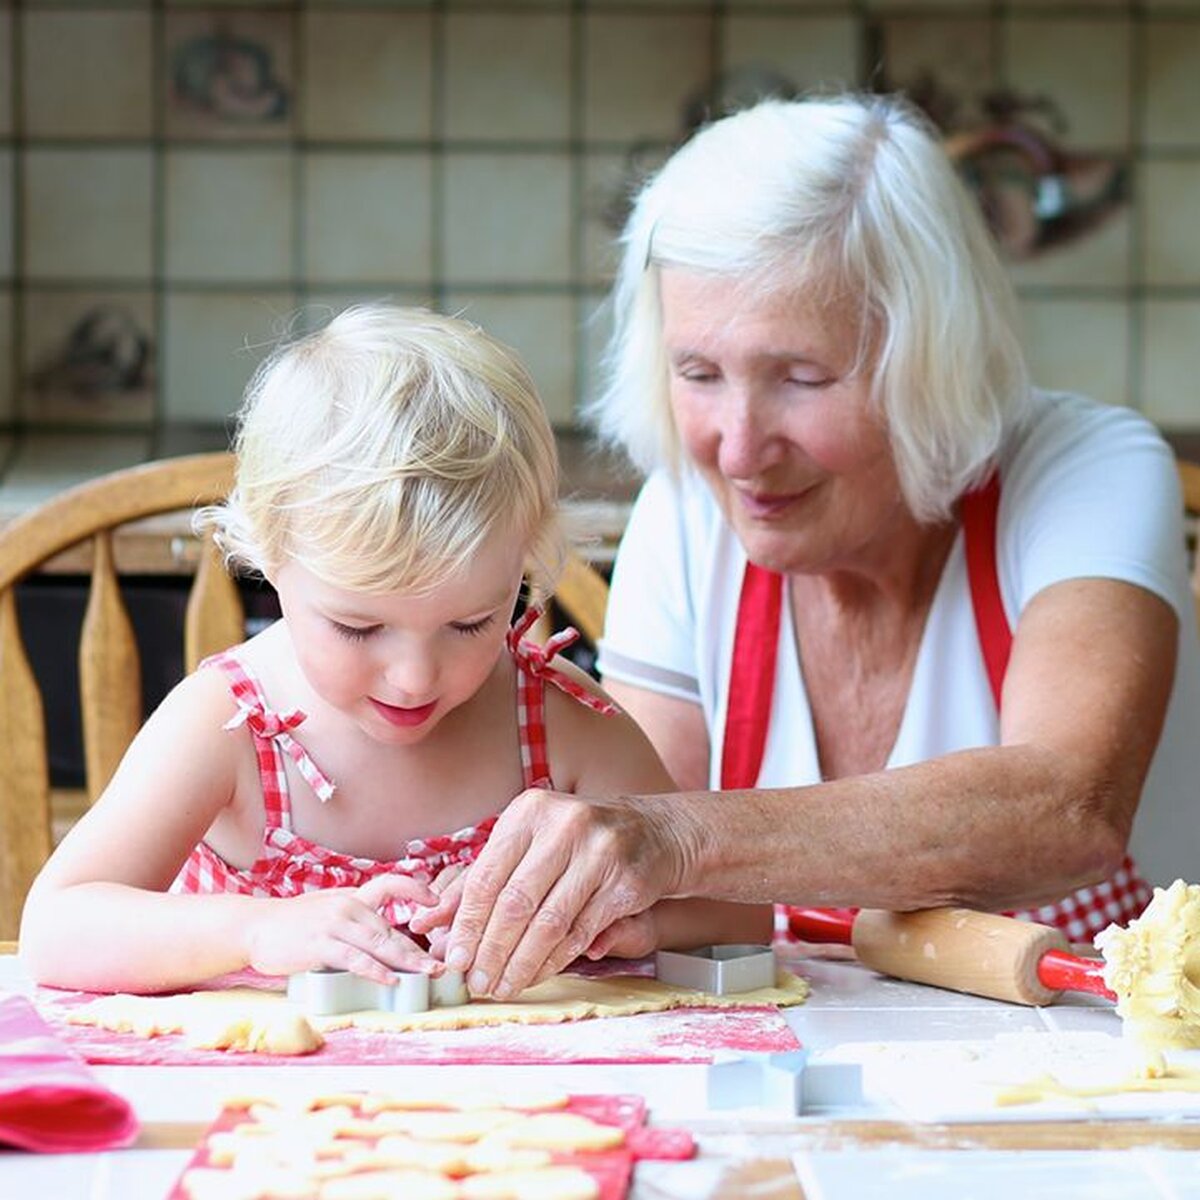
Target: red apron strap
979	510
751	677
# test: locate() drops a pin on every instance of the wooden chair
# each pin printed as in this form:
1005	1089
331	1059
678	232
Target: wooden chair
110	674
1189	478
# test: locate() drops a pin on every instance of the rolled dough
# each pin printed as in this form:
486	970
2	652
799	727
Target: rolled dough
251	1020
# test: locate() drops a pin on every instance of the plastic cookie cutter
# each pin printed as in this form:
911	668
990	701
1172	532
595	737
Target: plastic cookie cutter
720	970
787	1084
324	992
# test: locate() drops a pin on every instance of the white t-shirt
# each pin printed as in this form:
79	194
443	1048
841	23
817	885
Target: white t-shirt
1086	490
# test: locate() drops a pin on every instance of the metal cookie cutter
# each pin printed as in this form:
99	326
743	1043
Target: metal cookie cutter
787	1083
717	969
324	992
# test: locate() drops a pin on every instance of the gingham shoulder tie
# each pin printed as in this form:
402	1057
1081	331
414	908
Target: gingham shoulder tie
537	659
277	727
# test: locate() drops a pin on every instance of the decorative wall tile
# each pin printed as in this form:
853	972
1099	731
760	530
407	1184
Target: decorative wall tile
506	79
87	214
809	52
368	75
1171	69
1171	362
86	74
541	329
954	55
1079	346
642	73
212	343
8	408
88	358
507	218
1170	205
228	75
1083	66
367	218
319	306
48	463
229	215
1101	259
610	182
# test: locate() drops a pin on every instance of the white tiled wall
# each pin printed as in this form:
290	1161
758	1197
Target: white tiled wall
210	171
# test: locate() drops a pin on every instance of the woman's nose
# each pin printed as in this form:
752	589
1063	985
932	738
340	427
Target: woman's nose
745	435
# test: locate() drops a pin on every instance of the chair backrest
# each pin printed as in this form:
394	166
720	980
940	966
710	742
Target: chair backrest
109	667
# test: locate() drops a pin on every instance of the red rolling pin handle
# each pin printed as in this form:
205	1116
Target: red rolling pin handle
1060	972
825	925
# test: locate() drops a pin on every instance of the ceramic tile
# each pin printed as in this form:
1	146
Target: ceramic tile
87	214
804	52
6	71
911	1174
212	343
642	72
1083	65
957	53
367	75
48	463
367	218
507	79
229	215
1172	96
88	358
507	218
1100	258
1079	345
87	74
8	408
6	213
541	329
1170	195
229	75
1171	363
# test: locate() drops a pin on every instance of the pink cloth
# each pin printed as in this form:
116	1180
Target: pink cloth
49	1100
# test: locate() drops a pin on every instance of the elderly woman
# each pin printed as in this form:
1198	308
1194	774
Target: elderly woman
926	629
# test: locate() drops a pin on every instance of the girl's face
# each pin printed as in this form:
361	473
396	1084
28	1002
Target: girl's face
769	409
396	664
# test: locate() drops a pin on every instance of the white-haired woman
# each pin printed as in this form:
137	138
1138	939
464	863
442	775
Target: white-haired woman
906	631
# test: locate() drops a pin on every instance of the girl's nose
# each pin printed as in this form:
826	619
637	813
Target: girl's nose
411	675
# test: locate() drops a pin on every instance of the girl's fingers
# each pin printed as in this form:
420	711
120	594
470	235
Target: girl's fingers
427	920
375	893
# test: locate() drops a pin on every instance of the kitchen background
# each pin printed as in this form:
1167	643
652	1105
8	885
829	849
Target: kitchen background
181	183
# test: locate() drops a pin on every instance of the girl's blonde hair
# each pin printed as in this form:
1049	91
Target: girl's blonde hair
382	451
845	199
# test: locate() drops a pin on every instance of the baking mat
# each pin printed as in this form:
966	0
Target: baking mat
611	1169
691	1035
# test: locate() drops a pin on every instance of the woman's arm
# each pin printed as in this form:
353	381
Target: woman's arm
1048	810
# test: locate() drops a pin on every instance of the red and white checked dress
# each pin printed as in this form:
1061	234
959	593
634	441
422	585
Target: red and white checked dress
291	864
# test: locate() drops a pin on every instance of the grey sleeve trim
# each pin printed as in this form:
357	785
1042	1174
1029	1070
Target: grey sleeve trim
614	665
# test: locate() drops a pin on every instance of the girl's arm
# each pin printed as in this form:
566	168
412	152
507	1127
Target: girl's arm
98	916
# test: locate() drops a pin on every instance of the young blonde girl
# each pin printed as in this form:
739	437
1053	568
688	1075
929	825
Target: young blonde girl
296	800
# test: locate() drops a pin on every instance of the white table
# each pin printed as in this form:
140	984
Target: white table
849	1153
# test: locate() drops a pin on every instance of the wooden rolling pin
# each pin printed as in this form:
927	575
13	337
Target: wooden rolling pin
960	949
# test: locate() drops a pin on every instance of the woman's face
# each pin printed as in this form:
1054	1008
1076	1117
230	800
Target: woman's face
768	408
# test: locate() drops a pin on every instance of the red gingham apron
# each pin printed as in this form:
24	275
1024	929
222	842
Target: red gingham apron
1080	915
291	864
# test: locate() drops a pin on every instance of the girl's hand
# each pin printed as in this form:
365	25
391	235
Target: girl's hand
342	928
630	937
434	923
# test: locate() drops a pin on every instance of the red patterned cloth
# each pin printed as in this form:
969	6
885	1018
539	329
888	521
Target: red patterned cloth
290	864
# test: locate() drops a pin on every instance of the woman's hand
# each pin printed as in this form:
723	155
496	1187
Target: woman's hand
556	872
342	928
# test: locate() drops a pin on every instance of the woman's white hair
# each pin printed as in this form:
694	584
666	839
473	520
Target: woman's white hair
382	451
843	199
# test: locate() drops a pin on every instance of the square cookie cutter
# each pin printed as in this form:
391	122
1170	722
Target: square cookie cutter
325	992
720	970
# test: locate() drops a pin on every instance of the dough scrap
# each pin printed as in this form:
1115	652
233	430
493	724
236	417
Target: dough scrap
248	1019
542	1183
1153	967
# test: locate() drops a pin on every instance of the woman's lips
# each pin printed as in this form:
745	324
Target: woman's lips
763	507
407	717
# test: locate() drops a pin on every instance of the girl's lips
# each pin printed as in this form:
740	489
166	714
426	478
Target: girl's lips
407	717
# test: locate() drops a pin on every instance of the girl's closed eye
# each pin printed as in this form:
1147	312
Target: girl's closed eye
472	628
353	633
